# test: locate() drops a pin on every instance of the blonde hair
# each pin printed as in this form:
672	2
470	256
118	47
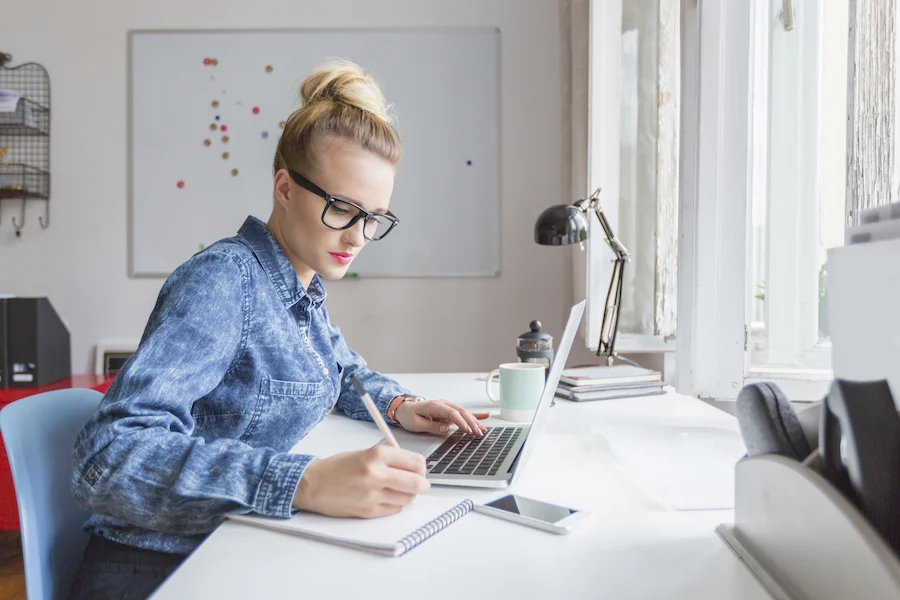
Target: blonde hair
339	100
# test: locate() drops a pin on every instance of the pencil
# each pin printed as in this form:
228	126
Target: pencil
373	412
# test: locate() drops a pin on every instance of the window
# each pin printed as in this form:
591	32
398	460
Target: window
626	96
764	188
797	189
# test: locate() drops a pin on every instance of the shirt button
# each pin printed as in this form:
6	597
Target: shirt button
325	371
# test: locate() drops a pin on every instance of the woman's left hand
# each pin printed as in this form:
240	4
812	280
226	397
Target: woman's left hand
436	416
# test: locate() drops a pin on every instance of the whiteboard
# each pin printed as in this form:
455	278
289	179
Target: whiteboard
444	86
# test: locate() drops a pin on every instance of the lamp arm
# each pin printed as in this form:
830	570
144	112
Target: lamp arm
617	247
609	327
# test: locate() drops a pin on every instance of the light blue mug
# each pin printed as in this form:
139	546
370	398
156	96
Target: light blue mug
521	386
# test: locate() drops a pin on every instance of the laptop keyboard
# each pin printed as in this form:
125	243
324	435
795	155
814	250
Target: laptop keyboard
464	454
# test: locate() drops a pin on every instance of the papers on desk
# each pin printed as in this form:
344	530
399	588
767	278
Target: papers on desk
629	390
605	382
605	375
682	468
876	224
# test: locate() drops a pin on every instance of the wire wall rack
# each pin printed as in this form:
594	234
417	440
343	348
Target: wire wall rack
24	139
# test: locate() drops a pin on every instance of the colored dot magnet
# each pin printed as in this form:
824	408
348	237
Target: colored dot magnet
225	155
281	124
225	139
207	61
269	69
180	185
265	135
215	104
215	61
218	117
213	127
255	110
234	172
224	127
207	142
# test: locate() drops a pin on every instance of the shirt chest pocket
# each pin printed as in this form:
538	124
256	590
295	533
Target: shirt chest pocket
287	411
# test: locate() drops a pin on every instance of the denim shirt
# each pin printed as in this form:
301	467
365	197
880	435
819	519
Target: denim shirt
238	362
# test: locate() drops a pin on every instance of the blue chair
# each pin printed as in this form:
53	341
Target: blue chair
39	432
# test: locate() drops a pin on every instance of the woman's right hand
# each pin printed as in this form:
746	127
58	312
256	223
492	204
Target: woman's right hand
369	483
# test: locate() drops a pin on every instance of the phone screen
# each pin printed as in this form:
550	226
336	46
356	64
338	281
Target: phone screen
533	509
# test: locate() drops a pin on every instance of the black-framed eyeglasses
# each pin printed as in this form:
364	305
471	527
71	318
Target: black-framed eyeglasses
342	214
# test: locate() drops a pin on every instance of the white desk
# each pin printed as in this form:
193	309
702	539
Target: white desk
636	548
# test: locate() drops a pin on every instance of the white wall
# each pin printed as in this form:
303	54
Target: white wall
398	325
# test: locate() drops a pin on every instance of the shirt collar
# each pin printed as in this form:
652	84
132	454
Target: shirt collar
277	266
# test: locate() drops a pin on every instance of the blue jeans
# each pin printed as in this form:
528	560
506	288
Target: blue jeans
114	571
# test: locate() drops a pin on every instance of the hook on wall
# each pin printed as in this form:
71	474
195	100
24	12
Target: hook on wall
18	225
45	223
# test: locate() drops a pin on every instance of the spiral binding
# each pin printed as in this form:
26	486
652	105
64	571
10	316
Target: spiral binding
432	527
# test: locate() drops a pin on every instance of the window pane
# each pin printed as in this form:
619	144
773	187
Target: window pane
638	113
797	196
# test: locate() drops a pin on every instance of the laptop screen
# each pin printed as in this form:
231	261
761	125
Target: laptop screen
556	368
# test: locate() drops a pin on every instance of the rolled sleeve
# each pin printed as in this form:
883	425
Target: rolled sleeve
279	483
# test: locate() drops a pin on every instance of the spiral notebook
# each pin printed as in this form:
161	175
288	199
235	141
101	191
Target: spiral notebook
394	535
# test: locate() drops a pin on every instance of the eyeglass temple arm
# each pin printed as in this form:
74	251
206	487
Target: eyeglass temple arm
609	327
308	185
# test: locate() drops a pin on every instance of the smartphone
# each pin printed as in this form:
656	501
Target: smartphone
534	513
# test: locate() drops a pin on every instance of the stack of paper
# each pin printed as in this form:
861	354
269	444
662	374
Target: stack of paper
9	100
608	382
15	111
875	224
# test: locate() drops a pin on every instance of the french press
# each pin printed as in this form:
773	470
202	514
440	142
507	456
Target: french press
535	346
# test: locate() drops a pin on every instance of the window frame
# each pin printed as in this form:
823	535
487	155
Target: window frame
792	190
600	168
714	226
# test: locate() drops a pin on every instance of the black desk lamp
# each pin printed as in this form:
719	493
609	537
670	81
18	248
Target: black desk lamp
561	225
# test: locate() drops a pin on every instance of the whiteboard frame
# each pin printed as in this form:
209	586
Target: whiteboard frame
134	274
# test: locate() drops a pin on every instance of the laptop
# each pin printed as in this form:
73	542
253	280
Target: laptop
495	459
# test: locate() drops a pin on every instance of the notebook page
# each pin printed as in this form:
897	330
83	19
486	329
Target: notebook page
382	534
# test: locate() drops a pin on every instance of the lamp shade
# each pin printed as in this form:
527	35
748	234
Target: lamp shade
560	225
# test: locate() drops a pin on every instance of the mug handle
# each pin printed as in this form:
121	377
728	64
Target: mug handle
490	378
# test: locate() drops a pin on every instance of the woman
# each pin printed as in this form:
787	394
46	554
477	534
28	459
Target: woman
239	361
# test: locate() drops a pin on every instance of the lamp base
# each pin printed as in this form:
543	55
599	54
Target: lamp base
611	358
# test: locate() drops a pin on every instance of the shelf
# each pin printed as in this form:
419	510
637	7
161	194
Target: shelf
29	119
25	139
23	182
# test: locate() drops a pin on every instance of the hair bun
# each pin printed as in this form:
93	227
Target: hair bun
345	82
